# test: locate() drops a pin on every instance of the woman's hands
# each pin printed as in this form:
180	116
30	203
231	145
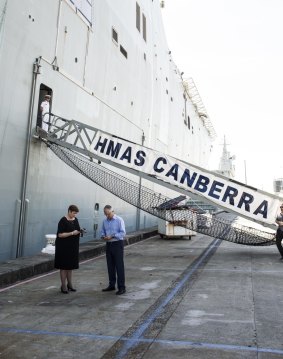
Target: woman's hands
68	234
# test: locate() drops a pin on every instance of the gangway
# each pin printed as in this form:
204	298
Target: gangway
85	148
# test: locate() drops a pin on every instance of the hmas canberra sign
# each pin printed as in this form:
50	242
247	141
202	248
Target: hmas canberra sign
223	192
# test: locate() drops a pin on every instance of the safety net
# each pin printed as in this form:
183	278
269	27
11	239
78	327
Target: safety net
161	206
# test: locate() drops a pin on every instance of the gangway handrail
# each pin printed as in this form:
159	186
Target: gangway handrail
246	201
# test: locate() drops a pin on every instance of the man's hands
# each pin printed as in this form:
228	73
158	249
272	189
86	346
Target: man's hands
107	238
75	233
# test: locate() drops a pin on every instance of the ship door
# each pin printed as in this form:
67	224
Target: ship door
44	114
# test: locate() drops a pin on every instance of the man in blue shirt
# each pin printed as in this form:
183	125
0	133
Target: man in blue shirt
113	233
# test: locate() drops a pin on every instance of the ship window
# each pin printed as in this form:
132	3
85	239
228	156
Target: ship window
144	27
114	35
138	17
189	122
123	51
84	7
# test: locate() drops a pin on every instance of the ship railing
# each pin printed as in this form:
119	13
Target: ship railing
69	133
193	94
59	126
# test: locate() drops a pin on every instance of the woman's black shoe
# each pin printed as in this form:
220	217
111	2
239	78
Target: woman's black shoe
64	291
71	289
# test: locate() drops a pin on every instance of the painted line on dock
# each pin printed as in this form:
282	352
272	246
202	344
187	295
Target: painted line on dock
187	343
149	319
241	271
57	271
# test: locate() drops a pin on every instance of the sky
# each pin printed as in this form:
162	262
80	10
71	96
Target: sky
233	49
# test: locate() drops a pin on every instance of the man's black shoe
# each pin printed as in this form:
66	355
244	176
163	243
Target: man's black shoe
121	291
108	289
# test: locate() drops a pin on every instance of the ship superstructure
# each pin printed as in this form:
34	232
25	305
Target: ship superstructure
226	165
278	186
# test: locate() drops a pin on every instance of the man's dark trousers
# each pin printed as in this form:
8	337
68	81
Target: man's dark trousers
279	237
115	263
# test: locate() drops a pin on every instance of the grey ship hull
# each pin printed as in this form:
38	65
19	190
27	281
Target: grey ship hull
92	81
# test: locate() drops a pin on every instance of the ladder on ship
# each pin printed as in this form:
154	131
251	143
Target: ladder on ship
85	149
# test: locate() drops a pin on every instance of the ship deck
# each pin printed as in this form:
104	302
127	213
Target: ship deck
199	298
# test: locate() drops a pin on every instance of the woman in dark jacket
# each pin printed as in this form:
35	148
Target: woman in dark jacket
67	248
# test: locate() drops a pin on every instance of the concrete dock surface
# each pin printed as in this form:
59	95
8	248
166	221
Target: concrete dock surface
199	298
